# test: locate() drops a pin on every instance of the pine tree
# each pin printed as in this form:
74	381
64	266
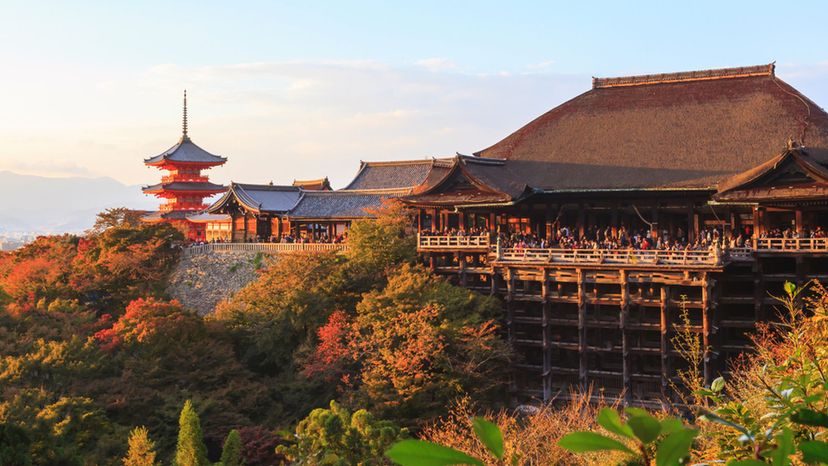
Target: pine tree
231	454
141	449
190	450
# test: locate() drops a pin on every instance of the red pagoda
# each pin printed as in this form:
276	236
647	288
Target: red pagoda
184	187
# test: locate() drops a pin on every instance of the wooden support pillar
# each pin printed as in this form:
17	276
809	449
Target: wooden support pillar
691	234
583	371
245	227
546	314
510	311
758	290
614	220
581	220
461	221
626	367
800	227
706	330
492	219
654	220
461	264
435	220
665	342
232	227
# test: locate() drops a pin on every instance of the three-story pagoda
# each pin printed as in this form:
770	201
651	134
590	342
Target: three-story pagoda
185	186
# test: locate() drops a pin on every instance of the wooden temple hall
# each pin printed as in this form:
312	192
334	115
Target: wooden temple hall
603	221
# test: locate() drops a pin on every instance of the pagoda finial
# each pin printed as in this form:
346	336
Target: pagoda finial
185	115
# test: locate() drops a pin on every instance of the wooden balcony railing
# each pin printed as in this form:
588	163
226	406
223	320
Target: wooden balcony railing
791	244
425	243
610	256
268	248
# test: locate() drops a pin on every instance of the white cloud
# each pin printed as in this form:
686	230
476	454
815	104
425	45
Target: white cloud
436	64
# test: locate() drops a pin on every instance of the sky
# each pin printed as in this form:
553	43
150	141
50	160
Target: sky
302	90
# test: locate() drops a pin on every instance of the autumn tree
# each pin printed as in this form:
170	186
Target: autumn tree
141	449
413	346
231	453
190	450
116	217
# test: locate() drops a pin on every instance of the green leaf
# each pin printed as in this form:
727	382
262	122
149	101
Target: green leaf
784	449
670	425
708	416
609	419
422	453
490	435
580	442
790	288
814	452
718	384
810	417
746	463
635	412
646	428
675	447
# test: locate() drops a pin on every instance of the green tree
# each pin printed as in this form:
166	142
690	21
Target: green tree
14	446
231	454
190	450
335	437
141	449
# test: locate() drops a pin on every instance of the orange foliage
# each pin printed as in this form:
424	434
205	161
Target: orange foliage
143	320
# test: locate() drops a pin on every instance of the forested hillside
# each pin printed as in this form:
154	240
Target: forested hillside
91	347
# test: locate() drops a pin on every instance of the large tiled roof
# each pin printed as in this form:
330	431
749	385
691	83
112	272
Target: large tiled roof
679	130
184	186
186	151
395	175
260	197
338	204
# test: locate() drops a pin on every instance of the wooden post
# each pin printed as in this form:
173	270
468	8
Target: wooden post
800	228
691	234
665	348
580	221
232	228
583	371
626	368
546	312
245	226
706	330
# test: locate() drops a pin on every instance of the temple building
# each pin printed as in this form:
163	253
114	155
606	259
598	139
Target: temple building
644	206
184	187
605	220
310	211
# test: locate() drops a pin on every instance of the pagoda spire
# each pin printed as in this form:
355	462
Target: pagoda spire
184	135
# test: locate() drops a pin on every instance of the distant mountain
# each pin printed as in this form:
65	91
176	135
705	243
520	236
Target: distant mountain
57	205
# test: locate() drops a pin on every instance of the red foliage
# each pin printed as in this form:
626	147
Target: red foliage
333	350
259	446
143	320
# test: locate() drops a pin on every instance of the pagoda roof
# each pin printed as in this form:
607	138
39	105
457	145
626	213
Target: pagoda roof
184	186
160	216
393	175
259	198
339	205
186	151
689	130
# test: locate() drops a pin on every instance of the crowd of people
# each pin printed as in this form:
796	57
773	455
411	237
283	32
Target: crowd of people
285	238
594	237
